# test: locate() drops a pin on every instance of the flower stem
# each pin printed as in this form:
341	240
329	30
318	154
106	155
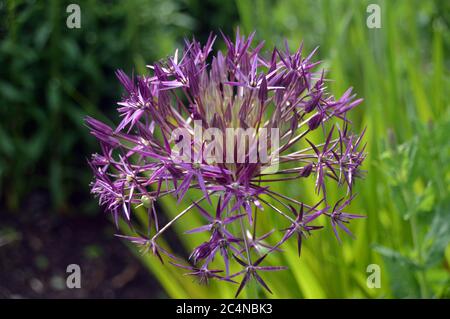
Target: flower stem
166	226
422	275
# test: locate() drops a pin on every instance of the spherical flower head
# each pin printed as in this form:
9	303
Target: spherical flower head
228	125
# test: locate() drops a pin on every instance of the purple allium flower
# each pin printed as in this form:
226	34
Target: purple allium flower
278	100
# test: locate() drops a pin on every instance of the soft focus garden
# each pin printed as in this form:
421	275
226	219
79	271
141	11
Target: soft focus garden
55	80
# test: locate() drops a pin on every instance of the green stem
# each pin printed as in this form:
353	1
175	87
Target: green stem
417	248
252	288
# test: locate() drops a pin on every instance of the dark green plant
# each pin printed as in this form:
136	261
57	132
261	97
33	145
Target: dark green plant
51	76
418	185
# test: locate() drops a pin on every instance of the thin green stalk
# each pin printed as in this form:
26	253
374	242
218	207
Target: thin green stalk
252	292
417	248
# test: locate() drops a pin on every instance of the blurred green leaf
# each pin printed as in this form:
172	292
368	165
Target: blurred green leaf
438	237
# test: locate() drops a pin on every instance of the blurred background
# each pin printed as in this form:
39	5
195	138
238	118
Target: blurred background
52	76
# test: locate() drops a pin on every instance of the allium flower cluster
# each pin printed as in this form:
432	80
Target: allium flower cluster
240	88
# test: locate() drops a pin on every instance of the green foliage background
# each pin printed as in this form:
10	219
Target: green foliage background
52	76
